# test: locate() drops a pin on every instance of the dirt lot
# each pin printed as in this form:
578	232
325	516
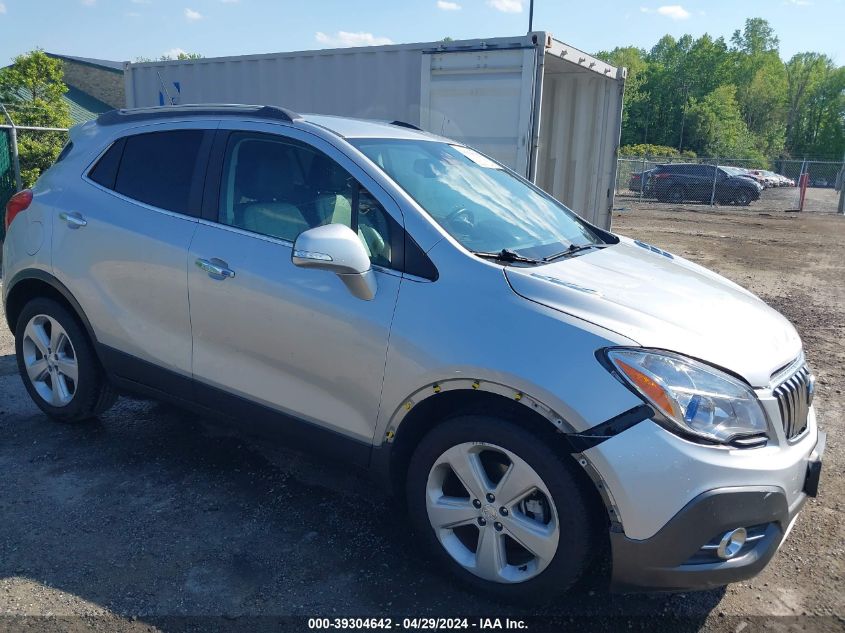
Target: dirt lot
150	512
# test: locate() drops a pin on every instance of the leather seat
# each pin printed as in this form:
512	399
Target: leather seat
276	219
265	199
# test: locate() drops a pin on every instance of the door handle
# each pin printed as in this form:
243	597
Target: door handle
74	220
216	268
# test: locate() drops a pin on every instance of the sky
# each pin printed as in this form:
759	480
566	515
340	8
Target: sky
128	29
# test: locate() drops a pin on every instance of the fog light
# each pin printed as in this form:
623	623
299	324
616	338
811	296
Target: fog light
731	543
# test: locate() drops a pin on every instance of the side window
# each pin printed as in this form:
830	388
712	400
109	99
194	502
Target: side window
280	187
105	171
158	168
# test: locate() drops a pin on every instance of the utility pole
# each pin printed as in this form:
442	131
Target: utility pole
530	15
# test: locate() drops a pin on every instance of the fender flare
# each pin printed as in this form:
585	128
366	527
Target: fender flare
49	279
578	442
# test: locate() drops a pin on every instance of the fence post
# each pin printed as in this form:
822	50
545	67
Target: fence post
713	191
13	135
642	179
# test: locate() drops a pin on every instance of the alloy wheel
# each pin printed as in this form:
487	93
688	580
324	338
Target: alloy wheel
492	512
50	360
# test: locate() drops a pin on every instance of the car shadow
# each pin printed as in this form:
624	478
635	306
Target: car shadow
158	513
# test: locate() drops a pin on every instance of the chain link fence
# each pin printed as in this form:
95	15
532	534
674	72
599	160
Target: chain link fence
783	185
30	142
8	184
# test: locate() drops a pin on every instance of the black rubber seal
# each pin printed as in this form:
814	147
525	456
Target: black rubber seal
594	436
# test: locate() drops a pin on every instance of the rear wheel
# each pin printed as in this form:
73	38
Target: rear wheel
675	194
500	509
57	363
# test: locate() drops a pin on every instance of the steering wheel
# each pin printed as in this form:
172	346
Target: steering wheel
461	219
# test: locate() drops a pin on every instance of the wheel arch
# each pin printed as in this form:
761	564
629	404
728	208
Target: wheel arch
434	404
32	283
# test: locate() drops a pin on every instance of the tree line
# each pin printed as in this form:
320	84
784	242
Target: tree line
734	100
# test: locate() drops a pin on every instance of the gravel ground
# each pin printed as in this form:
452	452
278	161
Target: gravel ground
151	518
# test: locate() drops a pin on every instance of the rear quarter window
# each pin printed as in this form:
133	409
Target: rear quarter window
158	168
105	171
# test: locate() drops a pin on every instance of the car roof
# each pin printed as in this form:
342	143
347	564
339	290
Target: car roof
366	128
345	127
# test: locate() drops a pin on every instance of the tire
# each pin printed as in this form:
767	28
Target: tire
558	504
675	194
742	198
45	324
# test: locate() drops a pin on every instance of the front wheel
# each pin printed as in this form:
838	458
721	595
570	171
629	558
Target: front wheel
742	198
500	509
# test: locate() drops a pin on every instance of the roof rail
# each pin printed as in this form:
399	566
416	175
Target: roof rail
410	126
113	117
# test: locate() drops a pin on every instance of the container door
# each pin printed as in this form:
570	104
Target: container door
483	98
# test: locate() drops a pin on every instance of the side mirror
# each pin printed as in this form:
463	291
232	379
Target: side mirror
336	248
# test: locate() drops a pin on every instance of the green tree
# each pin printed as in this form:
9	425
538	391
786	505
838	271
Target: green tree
685	93
814	95
169	58
33	87
717	127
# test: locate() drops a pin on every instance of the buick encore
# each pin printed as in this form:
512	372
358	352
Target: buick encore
538	390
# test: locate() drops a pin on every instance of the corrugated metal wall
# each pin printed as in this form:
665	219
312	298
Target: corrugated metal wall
481	92
579	137
374	84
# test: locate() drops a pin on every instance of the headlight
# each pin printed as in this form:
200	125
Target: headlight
693	398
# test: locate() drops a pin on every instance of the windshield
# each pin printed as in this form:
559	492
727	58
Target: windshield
476	201
734	171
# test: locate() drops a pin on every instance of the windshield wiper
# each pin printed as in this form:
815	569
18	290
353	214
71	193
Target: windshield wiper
506	255
572	250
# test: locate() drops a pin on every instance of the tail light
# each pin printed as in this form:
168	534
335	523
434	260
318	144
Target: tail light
660	175
17	203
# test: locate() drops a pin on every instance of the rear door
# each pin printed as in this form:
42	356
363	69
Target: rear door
483	98
121	245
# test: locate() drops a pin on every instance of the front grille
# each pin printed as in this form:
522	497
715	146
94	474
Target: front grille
794	396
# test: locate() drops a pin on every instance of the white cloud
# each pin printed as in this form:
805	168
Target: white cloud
448	6
230	1
133	14
140	1
89	3
192	16
506	6
674	11
671	11
798	3
2	8
342	39
173	53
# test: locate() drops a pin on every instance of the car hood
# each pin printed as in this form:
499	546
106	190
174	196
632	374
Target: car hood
660	300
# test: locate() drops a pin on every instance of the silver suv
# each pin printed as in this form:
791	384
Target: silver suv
539	390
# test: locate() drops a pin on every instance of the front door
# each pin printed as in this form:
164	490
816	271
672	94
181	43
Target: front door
293	340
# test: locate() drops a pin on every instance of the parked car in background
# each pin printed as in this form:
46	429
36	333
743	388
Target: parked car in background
767	179
639	181
542	392
677	182
756	176
780	181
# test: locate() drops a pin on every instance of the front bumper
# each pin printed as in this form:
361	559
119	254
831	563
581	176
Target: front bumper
680	557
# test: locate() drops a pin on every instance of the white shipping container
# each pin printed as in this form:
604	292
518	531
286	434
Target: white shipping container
547	110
